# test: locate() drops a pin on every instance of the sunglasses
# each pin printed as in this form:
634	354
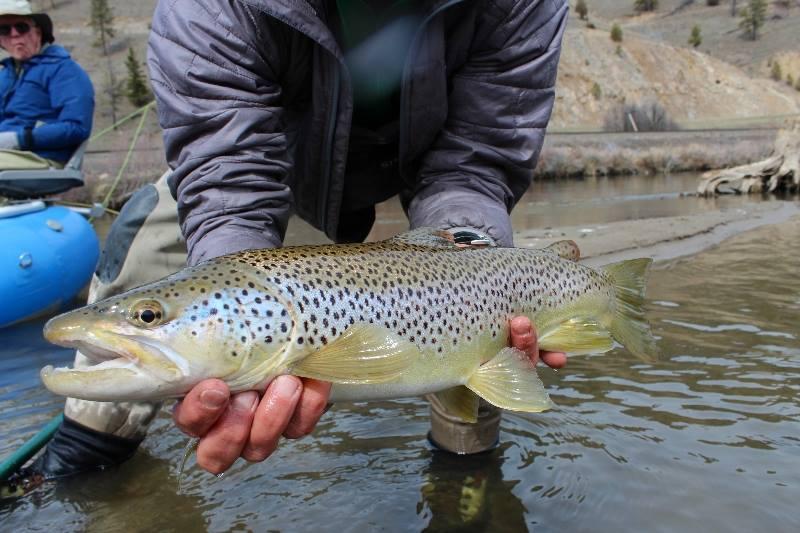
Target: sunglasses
21	27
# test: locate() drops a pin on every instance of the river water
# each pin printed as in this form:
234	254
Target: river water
705	439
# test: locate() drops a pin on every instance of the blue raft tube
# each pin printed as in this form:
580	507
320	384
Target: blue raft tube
48	254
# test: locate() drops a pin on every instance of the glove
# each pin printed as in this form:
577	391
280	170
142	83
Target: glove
8	140
75	448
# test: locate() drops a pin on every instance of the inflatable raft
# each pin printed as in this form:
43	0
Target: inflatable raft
47	256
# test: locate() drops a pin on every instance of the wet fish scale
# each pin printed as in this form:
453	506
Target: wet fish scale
435	298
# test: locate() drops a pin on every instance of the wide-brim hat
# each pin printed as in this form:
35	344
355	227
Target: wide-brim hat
23	8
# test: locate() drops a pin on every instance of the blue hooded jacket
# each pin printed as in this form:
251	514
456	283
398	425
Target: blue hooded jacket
52	90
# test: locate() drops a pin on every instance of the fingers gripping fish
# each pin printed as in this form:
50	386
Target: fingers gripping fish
411	315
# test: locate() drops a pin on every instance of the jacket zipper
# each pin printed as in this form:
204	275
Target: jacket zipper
334	107
13	88
329	143
404	95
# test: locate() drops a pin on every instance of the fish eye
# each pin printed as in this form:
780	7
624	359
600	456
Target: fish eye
147	314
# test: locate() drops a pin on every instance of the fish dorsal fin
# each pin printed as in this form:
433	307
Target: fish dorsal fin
564	249
509	381
458	401
363	354
435	238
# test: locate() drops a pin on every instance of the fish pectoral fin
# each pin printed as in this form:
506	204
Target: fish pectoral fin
435	238
458	401
564	249
509	381
363	354
576	335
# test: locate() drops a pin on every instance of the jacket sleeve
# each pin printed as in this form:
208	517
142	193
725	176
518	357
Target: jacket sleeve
72	94
214	69
498	108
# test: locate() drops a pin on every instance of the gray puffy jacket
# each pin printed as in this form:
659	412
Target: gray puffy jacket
255	103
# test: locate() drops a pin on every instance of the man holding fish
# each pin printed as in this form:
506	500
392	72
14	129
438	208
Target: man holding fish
327	107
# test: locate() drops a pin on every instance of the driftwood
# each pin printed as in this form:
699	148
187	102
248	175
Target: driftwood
779	172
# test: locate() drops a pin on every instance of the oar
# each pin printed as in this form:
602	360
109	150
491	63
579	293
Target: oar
29	449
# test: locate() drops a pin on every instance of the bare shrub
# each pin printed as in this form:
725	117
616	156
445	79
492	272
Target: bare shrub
647	116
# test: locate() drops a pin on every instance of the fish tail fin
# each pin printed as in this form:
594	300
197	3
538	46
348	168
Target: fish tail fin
628	324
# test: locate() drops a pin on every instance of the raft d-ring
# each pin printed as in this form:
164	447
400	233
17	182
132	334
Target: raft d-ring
54	225
25	260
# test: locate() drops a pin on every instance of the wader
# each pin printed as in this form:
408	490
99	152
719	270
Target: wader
145	244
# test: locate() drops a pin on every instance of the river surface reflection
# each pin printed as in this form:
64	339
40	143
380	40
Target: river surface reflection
705	439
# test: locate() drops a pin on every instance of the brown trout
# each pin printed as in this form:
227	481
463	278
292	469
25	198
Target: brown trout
411	315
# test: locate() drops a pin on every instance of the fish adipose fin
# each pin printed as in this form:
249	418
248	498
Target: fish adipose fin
575	336
509	381
628	325
564	249
363	354
434	238
459	401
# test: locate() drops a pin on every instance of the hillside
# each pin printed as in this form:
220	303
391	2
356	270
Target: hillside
694	87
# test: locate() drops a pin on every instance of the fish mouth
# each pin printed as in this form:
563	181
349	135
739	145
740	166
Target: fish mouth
123	367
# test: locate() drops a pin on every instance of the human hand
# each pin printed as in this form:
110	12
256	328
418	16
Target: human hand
242	425
522	336
230	426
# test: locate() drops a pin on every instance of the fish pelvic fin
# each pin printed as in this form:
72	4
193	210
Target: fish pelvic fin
628	325
509	381
458	401
363	354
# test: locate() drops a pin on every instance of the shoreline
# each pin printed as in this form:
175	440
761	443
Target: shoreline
569	155
665	238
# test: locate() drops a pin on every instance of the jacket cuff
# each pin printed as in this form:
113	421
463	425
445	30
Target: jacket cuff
462	209
229	239
25	139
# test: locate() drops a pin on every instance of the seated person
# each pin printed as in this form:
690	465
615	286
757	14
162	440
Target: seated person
46	98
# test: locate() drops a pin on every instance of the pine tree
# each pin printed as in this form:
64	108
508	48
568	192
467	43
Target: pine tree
113	89
753	16
101	19
581	9
777	73
137	91
616	33
695	39
645	5
790	80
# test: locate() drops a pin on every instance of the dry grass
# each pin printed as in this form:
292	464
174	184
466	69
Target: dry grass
569	157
